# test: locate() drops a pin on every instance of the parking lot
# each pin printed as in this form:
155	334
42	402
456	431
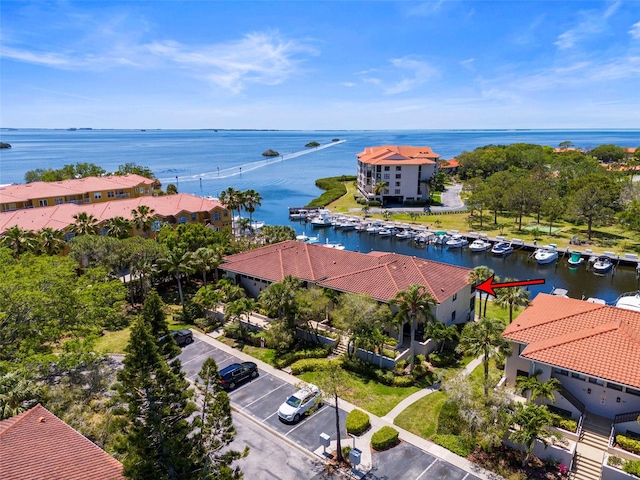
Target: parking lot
261	397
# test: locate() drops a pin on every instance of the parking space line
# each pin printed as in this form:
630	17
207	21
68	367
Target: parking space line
250	382
465	477
302	422
274	413
207	354
268	393
425	470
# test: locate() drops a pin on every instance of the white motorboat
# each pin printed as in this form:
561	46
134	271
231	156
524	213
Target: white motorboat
336	246
456	241
299	215
306	238
502	249
374	228
629	301
404	234
576	259
322	218
479	245
424	237
602	265
546	254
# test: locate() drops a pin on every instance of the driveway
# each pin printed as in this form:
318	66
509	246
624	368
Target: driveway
284	451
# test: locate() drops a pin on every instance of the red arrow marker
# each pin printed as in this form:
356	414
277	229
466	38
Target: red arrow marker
488	286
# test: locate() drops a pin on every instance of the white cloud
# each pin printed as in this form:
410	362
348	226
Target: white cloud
418	73
591	22
635	30
426	9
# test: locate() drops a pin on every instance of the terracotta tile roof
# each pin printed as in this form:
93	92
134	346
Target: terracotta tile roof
59	217
393	155
451	163
37	444
78	186
378	274
597	340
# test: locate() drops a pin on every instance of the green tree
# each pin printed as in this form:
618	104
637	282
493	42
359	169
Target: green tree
484	337
630	216
608	153
18	240
531	423
511	297
172	189
50	241
207	259
118	227
279	300
19	391
478	275
239	310
414	305
441	333
593	200
158	441
232	200
177	262
143	218
85	224
251	200
216	431
132	167
552	209
333	382
538	389
378	189
275	233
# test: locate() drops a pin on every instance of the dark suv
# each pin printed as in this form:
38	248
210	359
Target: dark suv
237	373
182	337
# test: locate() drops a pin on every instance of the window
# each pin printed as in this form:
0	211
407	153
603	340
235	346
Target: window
111	194
633	391
614	386
183	219
522	373
194	217
43	203
597	381
397	184
455	297
398	175
578	376
59	201
386	176
472	304
560	371
386	169
379	169
453	316
97	195
398	168
216	216
136	189
156	225
396	191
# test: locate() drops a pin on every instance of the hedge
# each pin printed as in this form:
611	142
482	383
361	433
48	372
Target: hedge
568	424
334	189
628	443
312	365
385	438
357	422
632	467
454	443
288	358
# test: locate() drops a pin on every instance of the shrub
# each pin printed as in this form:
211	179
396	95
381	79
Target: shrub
374	203
389	353
454	443
192	311
449	420
288	358
405	381
614	461
628	443
392	342
384	438
312	365
346	451
565	423
632	467
442	359
357	422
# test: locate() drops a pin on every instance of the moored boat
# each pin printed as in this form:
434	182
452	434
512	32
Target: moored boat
602	265
629	301
479	245
576	259
502	249
546	254
321	219
456	241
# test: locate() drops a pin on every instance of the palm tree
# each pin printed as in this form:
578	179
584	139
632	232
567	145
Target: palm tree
378	189
251	200
18	240
478	275
177	262
208	259
538	389
51	241
439	332
118	227
143	218
18	392
510	297
232	200
414	305
86	224
484	337
236	310
531	422
244	226
280	299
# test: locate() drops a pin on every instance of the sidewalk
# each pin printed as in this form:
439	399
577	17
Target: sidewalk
362	442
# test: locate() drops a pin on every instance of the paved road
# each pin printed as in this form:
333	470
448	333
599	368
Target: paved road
283	451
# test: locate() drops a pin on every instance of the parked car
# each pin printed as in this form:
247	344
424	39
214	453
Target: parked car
182	337
236	373
303	402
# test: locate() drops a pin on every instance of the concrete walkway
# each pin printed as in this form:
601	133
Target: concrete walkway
362	442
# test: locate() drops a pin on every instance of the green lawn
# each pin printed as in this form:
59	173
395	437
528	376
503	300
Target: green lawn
113	342
494	311
267	355
367	394
421	417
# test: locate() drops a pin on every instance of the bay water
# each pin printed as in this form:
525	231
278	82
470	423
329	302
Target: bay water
206	162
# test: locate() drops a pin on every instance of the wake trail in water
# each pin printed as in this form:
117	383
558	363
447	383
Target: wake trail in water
248	167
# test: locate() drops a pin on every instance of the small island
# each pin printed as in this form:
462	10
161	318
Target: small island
4	145
335	139
270	153
312	144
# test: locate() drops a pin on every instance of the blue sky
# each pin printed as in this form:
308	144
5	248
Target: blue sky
320	65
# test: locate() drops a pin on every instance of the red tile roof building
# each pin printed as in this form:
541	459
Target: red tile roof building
593	349
37	444
79	191
404	169
173	209
378	274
